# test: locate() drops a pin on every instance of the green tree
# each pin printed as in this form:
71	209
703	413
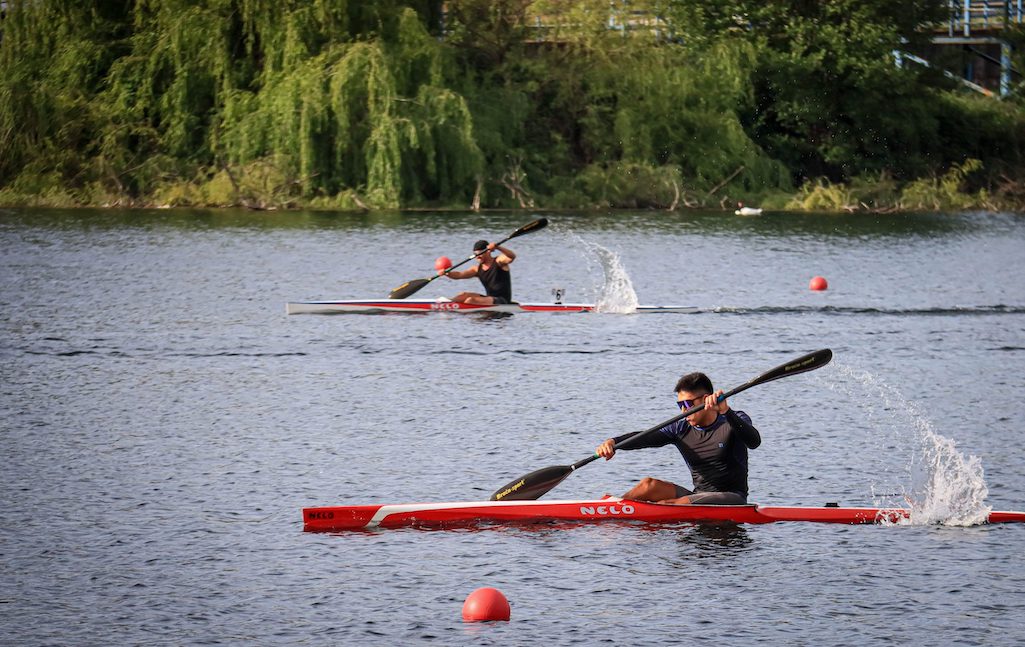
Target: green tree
830	100
54	57
398	103
579	108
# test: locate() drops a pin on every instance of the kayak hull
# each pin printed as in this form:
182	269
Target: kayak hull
472	513
374	306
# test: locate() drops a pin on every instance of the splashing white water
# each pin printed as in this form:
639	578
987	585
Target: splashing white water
945	486
616	295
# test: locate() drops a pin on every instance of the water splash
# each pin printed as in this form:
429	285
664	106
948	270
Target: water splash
616	295
945	486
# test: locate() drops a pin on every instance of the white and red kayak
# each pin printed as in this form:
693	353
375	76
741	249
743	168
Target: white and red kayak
472	513
371	306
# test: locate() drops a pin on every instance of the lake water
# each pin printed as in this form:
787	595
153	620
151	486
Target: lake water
164	422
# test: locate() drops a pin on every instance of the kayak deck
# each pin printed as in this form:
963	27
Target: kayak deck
462	514
373	306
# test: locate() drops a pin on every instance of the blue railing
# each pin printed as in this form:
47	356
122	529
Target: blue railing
984	15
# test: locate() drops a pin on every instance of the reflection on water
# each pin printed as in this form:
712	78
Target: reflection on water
713	536
489	317
701	537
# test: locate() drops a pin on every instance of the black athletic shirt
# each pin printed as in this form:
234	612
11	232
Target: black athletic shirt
497	282
716	455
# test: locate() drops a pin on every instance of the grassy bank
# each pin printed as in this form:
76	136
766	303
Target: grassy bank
261	186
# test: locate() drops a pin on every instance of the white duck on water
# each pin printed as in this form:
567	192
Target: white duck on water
747	211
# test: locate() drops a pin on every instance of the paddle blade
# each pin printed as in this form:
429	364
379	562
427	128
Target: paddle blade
802	364
530	228
533	485
408	288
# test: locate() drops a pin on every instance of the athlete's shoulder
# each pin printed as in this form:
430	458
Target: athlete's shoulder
743	416
676	428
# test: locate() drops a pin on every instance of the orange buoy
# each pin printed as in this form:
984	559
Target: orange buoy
484	605
818	284
443	263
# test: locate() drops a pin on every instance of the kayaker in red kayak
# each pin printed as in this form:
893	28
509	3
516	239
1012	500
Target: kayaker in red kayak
493	273
713	441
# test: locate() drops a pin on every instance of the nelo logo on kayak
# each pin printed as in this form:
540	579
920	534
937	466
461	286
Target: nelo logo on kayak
445	306
321	514
606	510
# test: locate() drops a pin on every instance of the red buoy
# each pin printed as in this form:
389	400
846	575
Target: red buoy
818	284
484	605
443	263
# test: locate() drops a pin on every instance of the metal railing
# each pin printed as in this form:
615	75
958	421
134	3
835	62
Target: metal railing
984	15
965	15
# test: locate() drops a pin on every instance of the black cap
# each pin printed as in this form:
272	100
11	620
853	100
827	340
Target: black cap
480	245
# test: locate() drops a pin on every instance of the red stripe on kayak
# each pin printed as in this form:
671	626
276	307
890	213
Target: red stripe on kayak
339	517
835	515
1006	517
440	306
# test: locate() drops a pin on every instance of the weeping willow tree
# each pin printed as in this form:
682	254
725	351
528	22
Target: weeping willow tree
347	102
372	113
53	59
334	96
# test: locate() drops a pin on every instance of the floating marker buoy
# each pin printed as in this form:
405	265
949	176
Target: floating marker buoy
818	284
443	263
484	605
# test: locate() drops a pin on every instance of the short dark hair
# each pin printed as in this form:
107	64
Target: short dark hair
479	245
694	382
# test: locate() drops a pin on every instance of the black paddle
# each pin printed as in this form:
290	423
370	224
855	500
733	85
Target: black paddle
536	484
411	287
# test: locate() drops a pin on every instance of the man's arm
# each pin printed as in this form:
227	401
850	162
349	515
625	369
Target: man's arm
741	422
606	450
747	433
464	274
505	256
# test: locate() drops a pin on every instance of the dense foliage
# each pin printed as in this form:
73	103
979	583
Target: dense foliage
491	103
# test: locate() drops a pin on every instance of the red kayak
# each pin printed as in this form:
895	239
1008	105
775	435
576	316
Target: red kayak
472	513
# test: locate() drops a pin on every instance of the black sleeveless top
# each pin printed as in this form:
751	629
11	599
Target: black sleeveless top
496	281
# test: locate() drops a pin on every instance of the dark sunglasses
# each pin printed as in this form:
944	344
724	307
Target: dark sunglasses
687	404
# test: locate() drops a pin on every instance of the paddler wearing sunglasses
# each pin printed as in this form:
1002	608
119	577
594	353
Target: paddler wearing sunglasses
713	442
493	273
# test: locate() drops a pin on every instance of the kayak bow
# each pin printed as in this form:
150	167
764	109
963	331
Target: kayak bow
473	513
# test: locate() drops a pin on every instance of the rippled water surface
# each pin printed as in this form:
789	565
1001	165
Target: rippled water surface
164	422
